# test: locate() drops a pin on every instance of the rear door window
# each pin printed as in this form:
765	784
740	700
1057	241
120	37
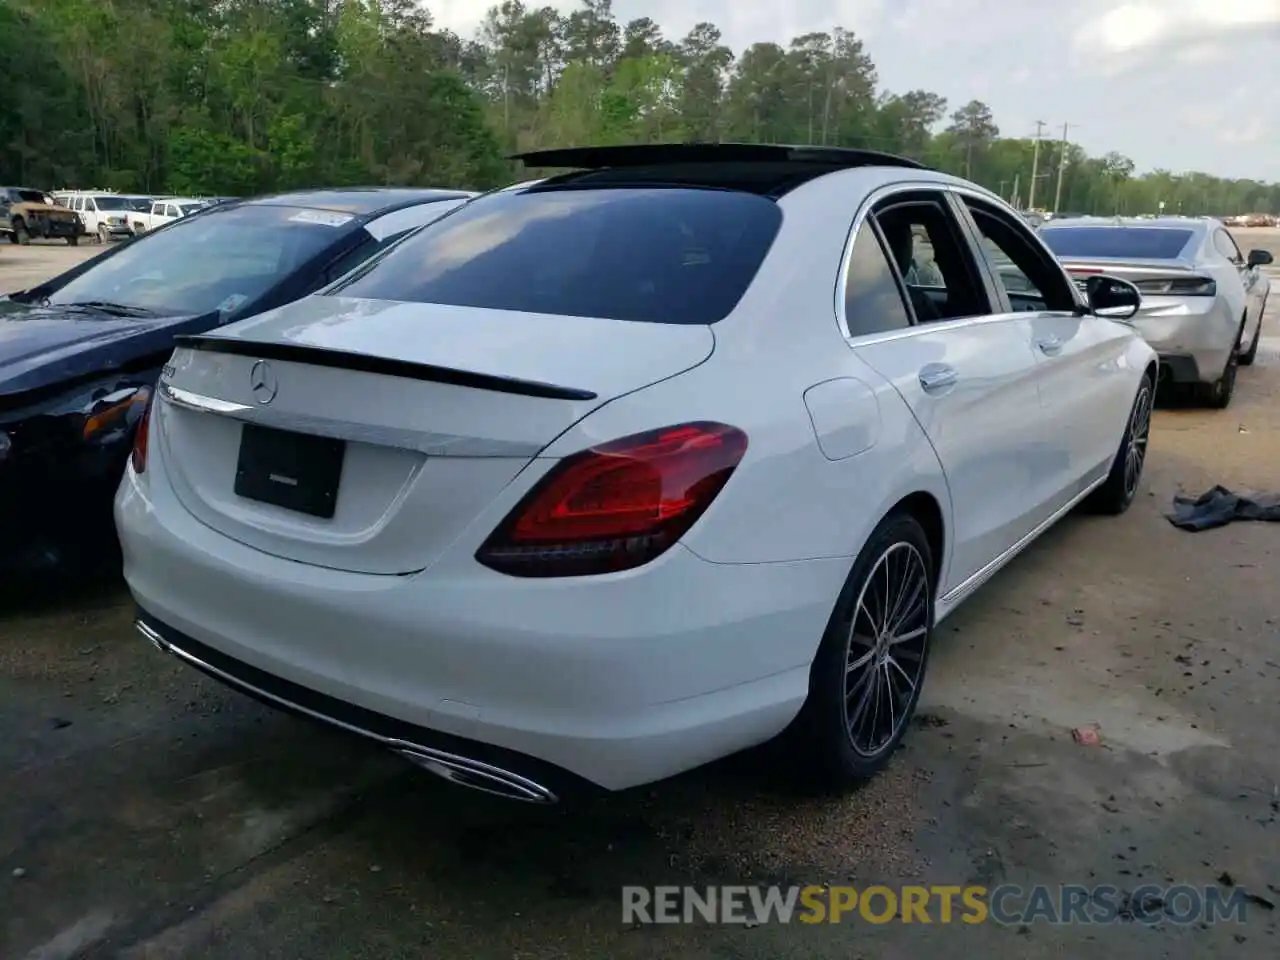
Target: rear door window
654	255
932	259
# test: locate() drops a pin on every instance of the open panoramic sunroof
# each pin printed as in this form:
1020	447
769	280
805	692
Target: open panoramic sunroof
766	169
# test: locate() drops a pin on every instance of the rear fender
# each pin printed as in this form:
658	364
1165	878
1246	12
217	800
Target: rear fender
786	501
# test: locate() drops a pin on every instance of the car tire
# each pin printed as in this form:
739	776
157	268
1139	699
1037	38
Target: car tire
889	591
73	241
104	235
13	236
1217	395
1247	358
1117	492
20	233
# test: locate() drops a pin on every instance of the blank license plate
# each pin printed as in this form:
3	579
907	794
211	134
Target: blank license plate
291	470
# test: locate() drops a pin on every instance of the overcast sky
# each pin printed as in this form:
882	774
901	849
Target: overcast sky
1180	84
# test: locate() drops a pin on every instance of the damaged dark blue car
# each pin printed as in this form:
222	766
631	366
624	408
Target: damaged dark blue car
81	353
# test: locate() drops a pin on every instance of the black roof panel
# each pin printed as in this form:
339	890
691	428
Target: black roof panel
361	201
654	154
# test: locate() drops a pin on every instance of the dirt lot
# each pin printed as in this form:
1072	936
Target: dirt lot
151	814
22	267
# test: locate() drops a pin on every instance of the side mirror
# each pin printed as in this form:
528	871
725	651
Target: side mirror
1112	297
1260	258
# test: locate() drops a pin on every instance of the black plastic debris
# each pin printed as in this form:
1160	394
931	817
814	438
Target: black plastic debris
1219	507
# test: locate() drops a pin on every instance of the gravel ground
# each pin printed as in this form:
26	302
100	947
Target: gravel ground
148	813
24	266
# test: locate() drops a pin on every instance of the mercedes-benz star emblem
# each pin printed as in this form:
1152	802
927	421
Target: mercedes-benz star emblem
263	382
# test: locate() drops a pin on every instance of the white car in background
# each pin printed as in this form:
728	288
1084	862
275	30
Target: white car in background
1203	298
163	211
600	478
104	214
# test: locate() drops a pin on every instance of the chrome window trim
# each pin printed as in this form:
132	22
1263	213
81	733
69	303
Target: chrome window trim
918	329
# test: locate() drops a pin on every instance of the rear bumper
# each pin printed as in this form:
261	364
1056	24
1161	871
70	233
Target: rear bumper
618	680
1193	336
468	762
1179	369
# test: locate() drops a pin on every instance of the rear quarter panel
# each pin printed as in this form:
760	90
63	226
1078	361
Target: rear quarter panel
1230	286
787	500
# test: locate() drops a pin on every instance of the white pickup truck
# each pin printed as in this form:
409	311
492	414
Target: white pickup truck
164	211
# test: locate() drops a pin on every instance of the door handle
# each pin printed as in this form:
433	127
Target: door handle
937	376
1050	346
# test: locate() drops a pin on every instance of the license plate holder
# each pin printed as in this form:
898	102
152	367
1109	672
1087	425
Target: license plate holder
296	471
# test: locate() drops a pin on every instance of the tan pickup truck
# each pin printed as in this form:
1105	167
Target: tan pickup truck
26	213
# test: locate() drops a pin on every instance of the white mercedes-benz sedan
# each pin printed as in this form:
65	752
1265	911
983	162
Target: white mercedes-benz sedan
602	477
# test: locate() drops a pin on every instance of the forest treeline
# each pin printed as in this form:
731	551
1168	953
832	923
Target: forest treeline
247	96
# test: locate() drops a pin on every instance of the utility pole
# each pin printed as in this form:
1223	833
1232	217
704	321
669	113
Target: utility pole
1016	177
1062	165
1035	165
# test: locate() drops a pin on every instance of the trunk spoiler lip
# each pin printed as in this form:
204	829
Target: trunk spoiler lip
1102	264
386	366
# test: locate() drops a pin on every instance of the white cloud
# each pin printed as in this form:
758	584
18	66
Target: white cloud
1127	28
1134	28
1252	131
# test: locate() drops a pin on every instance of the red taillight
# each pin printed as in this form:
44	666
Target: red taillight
616	506
139	456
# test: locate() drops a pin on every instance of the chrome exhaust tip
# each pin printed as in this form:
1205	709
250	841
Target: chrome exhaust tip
475	775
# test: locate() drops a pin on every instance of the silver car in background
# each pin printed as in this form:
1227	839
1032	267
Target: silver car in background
1202	299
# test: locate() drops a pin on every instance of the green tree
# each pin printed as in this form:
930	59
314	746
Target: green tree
974	130
241	96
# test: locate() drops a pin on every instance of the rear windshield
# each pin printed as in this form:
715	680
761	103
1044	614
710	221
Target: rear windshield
656	255
1154	243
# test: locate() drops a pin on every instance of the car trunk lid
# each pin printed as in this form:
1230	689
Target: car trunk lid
435	410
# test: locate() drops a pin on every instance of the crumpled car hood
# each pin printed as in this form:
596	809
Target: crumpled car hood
43	345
